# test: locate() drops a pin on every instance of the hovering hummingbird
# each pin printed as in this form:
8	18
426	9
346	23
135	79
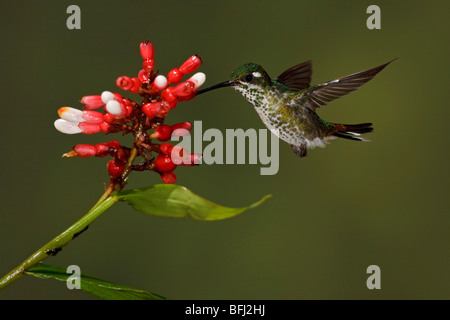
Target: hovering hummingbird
287	104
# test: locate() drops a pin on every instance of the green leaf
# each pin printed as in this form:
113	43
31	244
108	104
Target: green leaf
170	200
97	287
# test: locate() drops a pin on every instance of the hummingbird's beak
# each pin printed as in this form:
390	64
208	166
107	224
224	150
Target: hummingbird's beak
217	86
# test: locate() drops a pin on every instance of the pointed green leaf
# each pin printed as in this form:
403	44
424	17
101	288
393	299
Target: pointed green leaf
102	289
175	201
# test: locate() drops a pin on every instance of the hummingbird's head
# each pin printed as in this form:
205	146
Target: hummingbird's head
247	76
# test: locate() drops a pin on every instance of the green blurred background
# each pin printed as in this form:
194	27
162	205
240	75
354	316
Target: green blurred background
332	214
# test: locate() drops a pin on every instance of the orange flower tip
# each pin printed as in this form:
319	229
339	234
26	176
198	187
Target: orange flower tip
62	110
70	154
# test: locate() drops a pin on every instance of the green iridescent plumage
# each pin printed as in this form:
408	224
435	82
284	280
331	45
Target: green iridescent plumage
287	104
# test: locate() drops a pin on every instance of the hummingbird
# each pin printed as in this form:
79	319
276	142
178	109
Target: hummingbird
287	104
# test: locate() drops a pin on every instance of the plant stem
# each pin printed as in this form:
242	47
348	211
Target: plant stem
55	245
61	240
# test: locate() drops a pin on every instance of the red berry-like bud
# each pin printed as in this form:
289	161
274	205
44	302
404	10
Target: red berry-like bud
115	168
166	148
89	128
197	79
114	144
109	117
122	155
129	111
124	83
186	159
102	150
85	150
93	116
118	96
143	75
92	102
189	97
181	129
191	64
193	159
174	76
163	132
156	109
148	65
179	155
163	163
147	50
184	89
169	177
169	105
182	125
136	85
104	126
147	109
168	95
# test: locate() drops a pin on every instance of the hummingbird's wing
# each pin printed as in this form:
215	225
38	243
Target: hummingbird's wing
298	77
321	94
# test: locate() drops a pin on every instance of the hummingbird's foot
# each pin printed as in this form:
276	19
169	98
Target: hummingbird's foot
300	150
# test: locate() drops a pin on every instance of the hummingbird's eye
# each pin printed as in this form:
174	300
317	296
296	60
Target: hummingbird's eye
248	77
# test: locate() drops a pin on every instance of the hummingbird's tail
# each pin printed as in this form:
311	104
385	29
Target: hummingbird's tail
352	131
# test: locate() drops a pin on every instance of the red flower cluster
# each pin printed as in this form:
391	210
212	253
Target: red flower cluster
127	116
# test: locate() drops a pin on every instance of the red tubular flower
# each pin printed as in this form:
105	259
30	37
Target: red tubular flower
115	168
181	129
109	118
104	126
181	157
99	150
93	116
148	65
89	128
183	89
169	105
114	144
143	75
156	109
162	133
192	160
92	102
136	85
164	163
124	83
165	132
168	177
126	116
191	64
82	151
174	76
147	50
187	89
168	95
102	150
166	148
